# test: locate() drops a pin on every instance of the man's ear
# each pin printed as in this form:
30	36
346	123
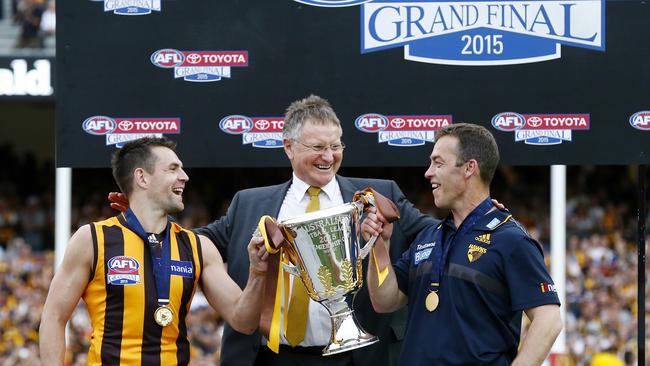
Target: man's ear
141	178
288	143
471	168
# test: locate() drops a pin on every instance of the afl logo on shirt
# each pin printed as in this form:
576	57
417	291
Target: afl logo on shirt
123	270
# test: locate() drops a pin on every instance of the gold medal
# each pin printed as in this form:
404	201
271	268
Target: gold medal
431	302
163	316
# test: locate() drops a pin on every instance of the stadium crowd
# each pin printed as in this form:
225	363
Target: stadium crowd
37	19
601	260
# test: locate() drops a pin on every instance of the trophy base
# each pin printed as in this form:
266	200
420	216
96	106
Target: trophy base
347	334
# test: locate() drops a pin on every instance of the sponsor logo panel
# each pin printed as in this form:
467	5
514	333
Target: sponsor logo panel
119	131
402	130
199	66
541	129
259	132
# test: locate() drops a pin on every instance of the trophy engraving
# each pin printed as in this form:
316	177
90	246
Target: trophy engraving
348	283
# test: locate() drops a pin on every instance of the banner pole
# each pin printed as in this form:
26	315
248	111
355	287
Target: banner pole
641	217
558	245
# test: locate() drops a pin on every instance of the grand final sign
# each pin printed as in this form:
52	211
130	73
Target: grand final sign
479	32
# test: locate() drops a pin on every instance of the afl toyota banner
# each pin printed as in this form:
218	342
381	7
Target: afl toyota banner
556	81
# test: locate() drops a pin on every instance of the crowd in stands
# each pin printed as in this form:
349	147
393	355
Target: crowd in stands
37	19
601	257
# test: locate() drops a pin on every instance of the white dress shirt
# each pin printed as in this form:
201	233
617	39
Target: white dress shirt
319	326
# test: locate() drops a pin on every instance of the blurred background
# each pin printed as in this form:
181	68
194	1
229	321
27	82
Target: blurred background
601	253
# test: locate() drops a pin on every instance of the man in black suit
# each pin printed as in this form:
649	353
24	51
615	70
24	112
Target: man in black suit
312	141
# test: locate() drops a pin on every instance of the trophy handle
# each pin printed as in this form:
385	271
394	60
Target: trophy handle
291	269
366	248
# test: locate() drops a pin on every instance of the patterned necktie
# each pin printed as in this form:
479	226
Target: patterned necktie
299	302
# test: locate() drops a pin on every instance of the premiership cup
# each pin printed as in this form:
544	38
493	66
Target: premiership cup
326	254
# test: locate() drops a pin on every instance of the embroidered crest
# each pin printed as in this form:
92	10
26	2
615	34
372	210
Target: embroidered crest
474	252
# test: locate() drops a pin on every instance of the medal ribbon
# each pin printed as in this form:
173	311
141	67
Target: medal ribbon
162	265
441	251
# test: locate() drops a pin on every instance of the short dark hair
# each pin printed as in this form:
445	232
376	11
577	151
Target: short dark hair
474	142
313	107
136	154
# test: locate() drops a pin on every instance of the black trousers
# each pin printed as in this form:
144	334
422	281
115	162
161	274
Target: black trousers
301	356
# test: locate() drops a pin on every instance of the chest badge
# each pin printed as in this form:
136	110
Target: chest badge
474	252
123	270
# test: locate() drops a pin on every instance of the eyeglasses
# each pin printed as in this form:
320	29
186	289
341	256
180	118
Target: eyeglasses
322	148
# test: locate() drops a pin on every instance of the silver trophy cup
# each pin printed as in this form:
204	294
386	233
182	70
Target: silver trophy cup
326	254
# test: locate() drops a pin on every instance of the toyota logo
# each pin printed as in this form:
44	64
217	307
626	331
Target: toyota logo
398	123
534	121
125	126
193	58
262	124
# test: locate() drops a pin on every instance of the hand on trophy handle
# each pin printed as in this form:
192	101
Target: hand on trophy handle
363	252
374	225
258	256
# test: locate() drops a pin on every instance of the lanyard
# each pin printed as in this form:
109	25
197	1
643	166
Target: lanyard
162	268
441	250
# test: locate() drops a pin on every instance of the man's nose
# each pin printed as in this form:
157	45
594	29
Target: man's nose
183	176
327	154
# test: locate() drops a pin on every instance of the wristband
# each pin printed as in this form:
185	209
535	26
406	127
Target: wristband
257	272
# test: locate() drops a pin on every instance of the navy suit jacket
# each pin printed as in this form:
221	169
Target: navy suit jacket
231	234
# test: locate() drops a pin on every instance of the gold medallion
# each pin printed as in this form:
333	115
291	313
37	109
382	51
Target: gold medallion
163	316
431	302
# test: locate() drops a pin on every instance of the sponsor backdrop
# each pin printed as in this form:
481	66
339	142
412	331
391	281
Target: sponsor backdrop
557	82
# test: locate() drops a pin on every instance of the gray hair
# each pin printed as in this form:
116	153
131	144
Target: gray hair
313	108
